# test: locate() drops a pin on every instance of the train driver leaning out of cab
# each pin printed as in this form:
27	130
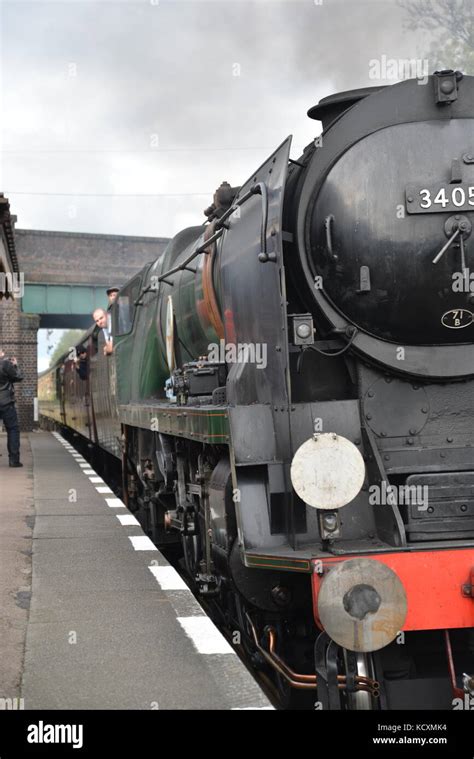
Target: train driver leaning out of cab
102	322
112	293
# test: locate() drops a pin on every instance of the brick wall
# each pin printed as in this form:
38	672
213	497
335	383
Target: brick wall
72	257
19	337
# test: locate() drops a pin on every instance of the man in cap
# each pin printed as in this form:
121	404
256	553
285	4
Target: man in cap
112	293
80	362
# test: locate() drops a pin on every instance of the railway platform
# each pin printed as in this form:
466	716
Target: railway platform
94	615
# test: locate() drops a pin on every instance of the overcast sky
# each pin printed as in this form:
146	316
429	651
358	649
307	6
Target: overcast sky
123	117
167	98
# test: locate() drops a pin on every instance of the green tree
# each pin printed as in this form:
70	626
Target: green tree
451	23
68	340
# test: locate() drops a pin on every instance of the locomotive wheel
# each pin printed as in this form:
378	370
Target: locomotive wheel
192	555
291	698
246	640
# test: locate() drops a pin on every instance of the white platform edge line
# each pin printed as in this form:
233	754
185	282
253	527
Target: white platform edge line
205	636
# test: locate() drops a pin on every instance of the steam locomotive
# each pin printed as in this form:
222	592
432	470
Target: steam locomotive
291	401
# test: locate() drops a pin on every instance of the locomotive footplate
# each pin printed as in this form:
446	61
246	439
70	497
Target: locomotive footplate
207	423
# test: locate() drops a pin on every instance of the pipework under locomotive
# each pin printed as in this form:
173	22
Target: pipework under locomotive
324	500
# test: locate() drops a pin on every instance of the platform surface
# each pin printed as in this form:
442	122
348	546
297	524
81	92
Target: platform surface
111	624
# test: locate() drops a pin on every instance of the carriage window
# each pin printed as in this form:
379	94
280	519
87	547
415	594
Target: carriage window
124	308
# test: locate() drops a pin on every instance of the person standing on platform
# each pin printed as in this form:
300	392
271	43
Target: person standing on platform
9	374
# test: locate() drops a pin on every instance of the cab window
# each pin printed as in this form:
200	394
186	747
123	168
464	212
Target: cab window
124	307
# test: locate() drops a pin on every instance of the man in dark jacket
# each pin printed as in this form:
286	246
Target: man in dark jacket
81	362
9	373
